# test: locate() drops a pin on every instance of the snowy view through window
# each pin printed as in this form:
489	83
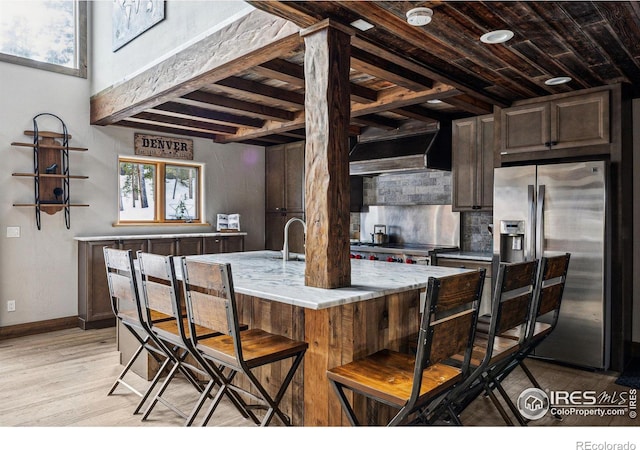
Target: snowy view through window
39	30
180	193
138	192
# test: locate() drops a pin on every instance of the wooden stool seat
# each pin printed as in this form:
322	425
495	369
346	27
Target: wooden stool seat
258	347
389	375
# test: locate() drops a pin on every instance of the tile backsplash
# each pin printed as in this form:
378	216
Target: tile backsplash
427	188
474	229
432	187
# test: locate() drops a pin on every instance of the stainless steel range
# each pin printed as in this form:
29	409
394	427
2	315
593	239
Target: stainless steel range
399	253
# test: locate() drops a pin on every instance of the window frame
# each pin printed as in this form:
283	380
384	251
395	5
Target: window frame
81	49
160	191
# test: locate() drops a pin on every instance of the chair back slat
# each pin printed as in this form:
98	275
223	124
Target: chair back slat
159	281
159	297
155	266
209	311
121	287
519	275
450	336
203	277
117	260
556	266
550	299
515	312
456	291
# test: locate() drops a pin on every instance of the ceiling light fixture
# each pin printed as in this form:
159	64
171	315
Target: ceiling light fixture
361	25
557	80
434	101
496	37
419	16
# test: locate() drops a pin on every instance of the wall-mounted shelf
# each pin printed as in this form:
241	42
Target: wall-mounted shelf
50	171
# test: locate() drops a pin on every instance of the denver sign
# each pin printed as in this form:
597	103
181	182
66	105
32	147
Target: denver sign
162	146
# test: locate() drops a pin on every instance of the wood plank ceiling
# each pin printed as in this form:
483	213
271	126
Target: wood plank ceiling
257	97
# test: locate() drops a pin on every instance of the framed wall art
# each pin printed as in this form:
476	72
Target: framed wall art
131	18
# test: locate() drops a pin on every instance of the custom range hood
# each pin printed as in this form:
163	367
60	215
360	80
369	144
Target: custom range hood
407	151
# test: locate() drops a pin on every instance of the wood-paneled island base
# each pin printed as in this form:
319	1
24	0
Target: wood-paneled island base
379	310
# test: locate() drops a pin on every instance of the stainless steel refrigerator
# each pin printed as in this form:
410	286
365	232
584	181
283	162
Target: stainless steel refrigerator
543	210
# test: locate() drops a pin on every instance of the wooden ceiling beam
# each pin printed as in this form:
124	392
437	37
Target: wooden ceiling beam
293	74
232	105
247	42
284	9
282	70
261	92
142	125
469	104
376	121
390	99
420	113
184	123
370	64
197	112
394	98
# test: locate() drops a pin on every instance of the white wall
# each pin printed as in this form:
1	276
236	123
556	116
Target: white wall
39	269
185	22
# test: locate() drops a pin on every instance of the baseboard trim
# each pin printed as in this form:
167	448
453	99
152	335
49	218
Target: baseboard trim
44	326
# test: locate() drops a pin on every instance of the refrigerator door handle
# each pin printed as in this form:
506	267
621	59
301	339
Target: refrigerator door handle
530	248
540	222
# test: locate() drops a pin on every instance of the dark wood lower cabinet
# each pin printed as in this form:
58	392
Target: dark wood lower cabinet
94	304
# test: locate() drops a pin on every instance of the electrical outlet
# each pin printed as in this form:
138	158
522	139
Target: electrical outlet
11	305
13	232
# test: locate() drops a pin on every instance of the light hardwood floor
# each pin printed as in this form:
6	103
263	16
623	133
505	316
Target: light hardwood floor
61	379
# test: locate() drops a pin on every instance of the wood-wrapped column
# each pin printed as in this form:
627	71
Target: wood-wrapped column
327	193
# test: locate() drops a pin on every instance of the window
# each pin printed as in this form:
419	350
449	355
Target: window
49	35
159	191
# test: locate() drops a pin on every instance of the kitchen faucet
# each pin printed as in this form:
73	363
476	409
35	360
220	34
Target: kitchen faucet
285	248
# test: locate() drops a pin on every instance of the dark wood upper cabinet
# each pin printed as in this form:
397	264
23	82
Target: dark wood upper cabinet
472	160
572	121
285	177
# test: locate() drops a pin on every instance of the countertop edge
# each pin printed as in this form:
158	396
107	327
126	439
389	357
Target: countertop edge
157	236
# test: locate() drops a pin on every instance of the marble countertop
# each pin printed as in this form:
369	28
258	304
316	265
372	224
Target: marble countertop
263	274
476	256
158	236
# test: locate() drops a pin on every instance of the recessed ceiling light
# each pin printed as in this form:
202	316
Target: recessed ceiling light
434	101
496	37
557	80
361	25
419	16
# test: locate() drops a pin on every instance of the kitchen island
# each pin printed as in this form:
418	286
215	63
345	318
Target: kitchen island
379	310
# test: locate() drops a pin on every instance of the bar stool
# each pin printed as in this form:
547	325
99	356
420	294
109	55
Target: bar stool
126	306
414	383
211	303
